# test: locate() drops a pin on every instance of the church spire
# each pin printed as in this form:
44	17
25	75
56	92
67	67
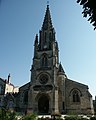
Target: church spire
47	32
47	24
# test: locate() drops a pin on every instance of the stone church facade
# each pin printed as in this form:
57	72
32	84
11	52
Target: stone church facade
49	90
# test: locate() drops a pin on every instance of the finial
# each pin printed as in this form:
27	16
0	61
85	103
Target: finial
47	2
9	78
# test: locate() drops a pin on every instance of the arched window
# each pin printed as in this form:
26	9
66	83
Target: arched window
25	97
44	61
63	105
50	36
76	96
0	89
45	37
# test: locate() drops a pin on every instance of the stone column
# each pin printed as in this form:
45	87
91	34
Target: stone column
56	101
56	110
30	106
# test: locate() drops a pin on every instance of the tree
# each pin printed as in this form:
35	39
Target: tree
89	10
7	115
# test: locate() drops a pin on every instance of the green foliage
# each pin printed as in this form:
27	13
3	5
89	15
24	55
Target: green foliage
89	10
71	118
93	118
74	117
72	114
29	117
83	119
46	118
7	115
10	115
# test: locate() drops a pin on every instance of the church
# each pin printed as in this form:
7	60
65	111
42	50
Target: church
50	90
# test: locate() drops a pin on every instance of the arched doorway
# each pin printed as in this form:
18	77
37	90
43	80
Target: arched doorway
43	104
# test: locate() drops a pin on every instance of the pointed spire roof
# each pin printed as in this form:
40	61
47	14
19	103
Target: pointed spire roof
61	68
36	39
47	23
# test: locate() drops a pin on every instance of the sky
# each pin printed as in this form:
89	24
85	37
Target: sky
21	20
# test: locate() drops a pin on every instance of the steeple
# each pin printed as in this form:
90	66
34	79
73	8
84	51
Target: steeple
47	24
47	32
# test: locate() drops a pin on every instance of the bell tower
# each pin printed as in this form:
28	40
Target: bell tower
43	93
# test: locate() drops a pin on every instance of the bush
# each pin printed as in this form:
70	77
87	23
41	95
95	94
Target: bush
93	118
83	119
71	118
74	117
29	117
7	115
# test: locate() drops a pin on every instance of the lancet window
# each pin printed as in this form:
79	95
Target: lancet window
44	61
25	97
76	96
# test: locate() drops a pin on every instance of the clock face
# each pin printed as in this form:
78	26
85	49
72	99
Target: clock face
43	79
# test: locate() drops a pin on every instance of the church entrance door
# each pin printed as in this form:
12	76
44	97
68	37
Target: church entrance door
43	104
